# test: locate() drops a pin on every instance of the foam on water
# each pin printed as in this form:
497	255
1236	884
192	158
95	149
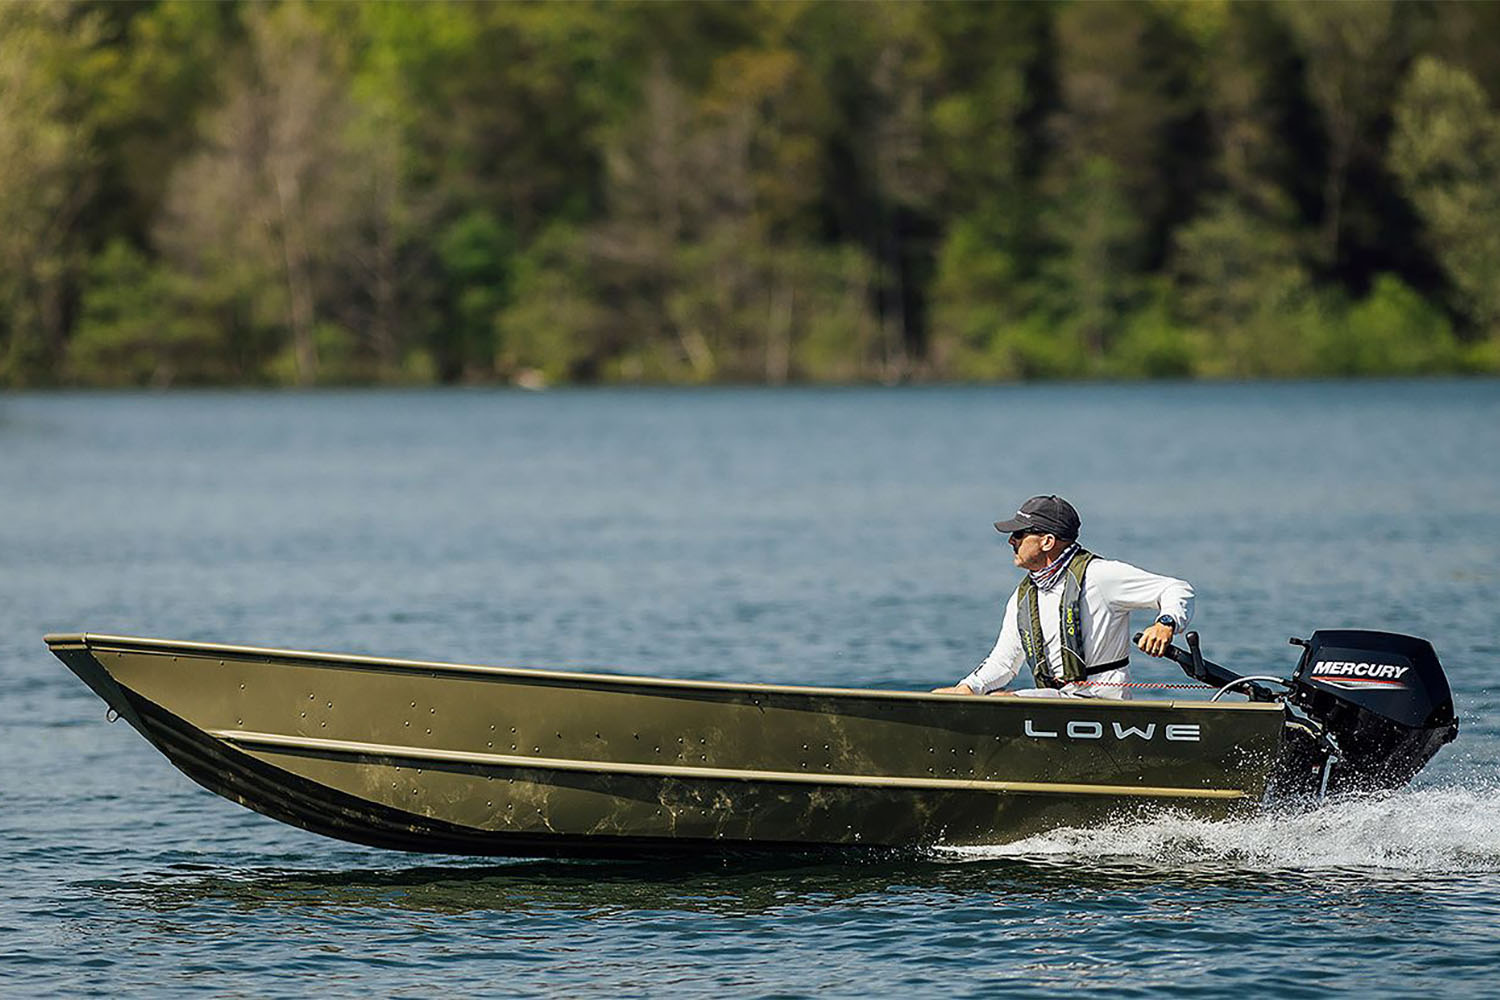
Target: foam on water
1441	830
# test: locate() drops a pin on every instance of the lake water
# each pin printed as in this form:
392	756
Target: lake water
836	537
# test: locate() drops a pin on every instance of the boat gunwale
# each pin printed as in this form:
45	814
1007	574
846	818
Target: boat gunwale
95	641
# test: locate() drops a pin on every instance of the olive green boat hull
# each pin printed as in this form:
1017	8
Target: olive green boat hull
453	758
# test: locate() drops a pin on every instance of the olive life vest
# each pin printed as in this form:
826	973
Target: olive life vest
1070	632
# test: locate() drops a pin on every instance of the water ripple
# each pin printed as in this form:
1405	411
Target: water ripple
813	536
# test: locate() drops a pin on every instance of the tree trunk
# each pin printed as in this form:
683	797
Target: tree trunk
298	281
779	331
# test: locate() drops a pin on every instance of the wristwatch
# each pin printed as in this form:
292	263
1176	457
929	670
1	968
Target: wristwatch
1168	621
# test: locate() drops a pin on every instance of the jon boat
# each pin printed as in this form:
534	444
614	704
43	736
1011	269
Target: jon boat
467	759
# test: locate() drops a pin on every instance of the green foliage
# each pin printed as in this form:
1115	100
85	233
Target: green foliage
477	254
834	335
1240	281
1153	344
1351	54
1036	347
44	164
1446	150
1092	279
305	193
1392	331
554	326
334	348
143	94
136	328
979	291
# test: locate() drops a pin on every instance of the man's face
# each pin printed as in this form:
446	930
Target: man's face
1033	551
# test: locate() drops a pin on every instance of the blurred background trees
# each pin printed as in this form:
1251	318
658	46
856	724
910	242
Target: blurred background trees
301	193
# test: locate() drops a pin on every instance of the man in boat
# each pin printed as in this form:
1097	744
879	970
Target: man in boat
1069	620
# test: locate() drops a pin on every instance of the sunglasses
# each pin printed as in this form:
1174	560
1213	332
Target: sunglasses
1016	536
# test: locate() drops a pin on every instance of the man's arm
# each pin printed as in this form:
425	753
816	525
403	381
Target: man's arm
1001	666
1129	588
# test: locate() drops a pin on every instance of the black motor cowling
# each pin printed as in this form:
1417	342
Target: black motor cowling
1379	708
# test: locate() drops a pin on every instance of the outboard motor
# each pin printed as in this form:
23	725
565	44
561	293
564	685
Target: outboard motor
1380	703
1366	710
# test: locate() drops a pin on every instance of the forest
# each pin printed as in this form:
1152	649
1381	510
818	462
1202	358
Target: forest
293	193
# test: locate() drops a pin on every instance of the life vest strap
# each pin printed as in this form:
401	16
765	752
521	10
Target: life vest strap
1104	668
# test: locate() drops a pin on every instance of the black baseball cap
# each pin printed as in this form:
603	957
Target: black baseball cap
1051	514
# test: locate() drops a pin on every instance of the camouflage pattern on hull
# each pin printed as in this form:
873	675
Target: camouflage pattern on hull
452	758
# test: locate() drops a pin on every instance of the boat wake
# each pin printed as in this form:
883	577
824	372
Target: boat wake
1451	829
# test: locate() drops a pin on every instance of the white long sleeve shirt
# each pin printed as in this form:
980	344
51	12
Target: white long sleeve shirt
1111	590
